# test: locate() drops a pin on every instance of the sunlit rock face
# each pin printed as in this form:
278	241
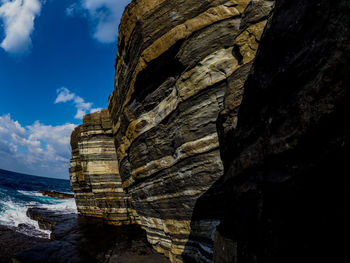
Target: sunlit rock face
176	59
94	172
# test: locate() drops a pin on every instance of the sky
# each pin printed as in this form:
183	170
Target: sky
56	65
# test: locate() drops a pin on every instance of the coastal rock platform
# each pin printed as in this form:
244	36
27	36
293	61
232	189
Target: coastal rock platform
12	242
47	219
56	194
82	239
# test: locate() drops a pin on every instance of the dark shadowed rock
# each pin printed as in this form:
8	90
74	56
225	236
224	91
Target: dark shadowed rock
12	242
78	239
286	162
49	218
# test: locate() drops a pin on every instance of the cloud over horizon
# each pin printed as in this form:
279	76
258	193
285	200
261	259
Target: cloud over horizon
18	22
65	95
40	149
103	15
37	149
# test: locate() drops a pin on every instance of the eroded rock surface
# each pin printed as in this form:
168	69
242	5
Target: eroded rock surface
56	194
94	172
175	61
286	162
47	219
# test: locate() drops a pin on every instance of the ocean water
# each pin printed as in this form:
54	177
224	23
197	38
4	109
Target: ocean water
18	192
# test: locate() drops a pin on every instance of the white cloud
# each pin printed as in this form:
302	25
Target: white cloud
38	149
64	95
95	110
18	20
80	114
104	16
83	108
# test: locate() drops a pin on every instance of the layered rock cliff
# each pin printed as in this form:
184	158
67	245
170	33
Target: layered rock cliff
280	194
94	172
286	160
175	61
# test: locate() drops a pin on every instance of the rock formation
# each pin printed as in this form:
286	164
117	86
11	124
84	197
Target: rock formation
172	70
78	239
56	194
156	160
286	159
94	173
175	61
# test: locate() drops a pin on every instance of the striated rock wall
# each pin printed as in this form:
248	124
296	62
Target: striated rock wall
286	160
175	61
94	172
154	155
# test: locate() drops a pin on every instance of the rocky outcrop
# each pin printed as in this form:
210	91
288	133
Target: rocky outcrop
78	239
46	218
286	159
55	194
94	173
175	61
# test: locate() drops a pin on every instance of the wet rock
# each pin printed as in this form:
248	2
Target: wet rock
47	219
82	239
56	194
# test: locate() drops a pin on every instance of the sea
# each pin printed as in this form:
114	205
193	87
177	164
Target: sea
18	192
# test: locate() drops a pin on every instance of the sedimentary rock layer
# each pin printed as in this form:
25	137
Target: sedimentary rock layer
175	61
94	173
287	161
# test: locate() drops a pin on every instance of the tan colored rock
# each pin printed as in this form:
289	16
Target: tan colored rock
94	172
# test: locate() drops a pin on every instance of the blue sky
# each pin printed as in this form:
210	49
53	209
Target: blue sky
56	64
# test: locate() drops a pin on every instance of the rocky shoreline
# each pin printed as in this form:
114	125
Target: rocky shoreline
74	238
79	239
56	194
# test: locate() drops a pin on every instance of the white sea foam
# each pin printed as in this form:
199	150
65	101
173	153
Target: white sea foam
15	214
30	193
66	206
